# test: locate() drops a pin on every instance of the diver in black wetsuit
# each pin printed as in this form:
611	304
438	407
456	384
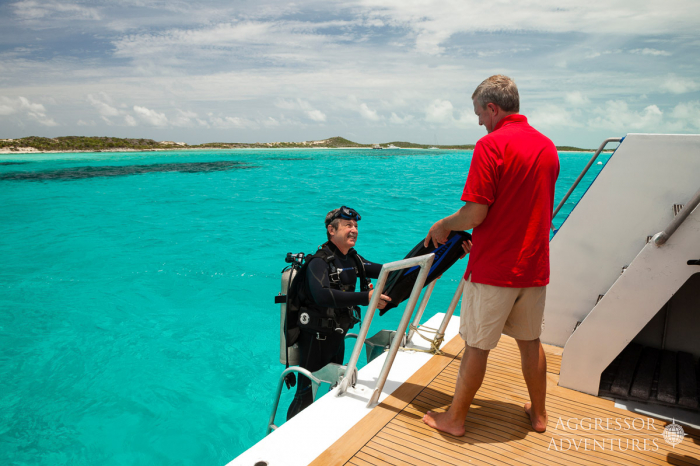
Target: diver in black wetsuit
329	290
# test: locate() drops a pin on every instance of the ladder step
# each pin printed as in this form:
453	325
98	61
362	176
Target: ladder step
641	387
667	392
687	381
625	374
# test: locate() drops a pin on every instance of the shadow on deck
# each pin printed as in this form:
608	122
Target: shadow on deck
498	430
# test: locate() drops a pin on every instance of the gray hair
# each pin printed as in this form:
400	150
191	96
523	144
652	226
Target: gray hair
499	90
333	223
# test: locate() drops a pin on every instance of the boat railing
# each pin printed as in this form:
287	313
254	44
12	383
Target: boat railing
329	374
583	173
424	262
346	376
660	238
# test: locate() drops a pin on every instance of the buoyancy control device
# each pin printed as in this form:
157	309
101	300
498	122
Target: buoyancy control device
297	313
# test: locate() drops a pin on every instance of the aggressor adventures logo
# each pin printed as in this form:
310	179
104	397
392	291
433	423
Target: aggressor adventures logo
673	434
613	434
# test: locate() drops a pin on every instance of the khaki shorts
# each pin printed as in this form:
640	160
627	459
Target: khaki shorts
487	311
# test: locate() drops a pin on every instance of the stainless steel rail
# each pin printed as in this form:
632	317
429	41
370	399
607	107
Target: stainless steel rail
660	238
329	374
583	173
424	262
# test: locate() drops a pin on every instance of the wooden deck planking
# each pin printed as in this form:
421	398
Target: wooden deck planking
498	430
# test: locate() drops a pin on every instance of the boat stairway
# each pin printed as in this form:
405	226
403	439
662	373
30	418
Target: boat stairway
617	283
651	375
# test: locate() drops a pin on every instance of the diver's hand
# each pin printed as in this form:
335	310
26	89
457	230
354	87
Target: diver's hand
467	246
437	234
383	300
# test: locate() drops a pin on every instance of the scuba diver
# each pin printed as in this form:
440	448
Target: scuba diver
327	300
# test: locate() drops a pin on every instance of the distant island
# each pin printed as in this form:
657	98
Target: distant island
109	144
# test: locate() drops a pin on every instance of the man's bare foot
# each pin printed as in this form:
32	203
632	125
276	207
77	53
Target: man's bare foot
539	423
442	422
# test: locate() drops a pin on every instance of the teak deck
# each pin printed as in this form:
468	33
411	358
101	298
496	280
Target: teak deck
498	430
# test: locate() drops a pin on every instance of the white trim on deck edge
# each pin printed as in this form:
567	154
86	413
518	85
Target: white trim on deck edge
302	439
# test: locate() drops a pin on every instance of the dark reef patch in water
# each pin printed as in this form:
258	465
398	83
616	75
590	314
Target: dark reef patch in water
287	158
78	173
13	163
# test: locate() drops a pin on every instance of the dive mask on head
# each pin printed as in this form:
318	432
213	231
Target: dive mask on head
346	213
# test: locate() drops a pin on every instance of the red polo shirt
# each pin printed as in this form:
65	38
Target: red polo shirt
513	171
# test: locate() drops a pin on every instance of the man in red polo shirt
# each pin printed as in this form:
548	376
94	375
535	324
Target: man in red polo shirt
509	198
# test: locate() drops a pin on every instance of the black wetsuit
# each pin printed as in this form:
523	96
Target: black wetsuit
315	353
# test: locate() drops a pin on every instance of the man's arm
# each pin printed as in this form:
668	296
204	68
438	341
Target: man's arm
324	295
469	216
372	269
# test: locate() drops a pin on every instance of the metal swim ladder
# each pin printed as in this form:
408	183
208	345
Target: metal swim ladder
346	376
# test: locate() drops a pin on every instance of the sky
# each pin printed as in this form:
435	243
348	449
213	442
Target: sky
367	70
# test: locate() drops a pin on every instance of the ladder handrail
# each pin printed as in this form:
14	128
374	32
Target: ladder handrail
329	374
424	262
580	177
660	238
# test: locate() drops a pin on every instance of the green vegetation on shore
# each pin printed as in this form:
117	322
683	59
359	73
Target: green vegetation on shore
78	143
93	144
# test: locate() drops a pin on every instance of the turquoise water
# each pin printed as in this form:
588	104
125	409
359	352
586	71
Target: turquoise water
137	323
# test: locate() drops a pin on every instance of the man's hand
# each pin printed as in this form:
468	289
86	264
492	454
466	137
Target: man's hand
437	234
383	300
467	246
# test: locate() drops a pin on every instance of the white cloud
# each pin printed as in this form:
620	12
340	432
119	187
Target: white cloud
368	113
24	107
688	113
439	111
184	118
617	116
552	116
280	39
232	122
679	85
33	10
433	23
30	107
270	122
102	107
397	120
316	115
6	110
576	99
42	119
86	123
654	52
130	121
300	104
151	116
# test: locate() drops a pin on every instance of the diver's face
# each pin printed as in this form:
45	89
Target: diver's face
345	236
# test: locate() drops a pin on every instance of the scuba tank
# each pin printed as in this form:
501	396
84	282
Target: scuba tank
288	355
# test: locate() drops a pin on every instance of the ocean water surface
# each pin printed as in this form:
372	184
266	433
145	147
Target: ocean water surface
137	323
